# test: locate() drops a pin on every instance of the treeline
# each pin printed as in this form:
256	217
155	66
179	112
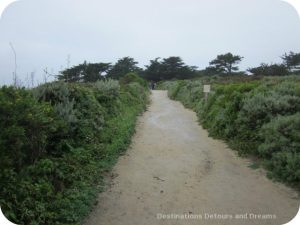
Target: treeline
175	68
56	142
165	69
259	117
227	64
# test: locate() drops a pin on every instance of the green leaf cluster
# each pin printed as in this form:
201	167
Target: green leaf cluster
56	143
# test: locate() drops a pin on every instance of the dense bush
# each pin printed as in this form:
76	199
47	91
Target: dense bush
26	128
108	88
258	117
280	134
133	77
55	143
58	95
270	70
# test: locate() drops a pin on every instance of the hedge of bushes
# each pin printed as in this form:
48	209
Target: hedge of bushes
259	117
56	142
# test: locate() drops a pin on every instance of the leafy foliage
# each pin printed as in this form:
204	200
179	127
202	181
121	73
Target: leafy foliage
58	95
132	77
122	67
26	128
167	69
108	87
86	72
292	61
269	70
225	63
51	165
281	134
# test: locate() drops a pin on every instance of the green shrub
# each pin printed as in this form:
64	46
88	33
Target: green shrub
90	114
285	166
58	95
221	111
281	134
260	109
174	88
133	77
27	126
52	164
109	88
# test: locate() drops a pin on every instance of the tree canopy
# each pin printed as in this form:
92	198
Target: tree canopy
269	70
225	64
122	67
174	67
86	72
292	61
168	68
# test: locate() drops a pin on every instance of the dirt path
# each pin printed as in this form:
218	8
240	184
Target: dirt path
174	169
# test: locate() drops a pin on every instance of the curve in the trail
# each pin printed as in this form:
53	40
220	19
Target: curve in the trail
174	169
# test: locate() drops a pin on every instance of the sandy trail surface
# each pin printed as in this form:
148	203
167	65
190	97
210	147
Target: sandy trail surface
175	174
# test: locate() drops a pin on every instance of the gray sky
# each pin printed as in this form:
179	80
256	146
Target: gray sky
44	32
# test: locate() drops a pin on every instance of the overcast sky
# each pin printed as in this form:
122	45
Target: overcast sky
45	32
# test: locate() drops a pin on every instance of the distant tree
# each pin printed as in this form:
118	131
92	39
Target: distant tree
122	67
225	63
153	71
86	72
169	68
269	70
292	61
212	70
172	67
95	71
